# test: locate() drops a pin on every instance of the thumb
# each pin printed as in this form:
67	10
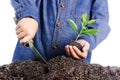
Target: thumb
85	47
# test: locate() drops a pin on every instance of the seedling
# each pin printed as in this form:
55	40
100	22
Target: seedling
84	22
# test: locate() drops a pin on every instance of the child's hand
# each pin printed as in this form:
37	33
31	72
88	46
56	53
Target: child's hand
74	52
26	29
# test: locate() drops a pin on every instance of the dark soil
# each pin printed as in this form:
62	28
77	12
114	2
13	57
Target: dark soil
74	43
59	68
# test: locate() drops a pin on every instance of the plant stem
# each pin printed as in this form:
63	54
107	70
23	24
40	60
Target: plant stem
77	37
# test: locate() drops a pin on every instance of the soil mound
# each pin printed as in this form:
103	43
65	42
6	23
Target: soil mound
59	68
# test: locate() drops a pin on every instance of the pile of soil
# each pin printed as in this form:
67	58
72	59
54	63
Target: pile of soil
59	68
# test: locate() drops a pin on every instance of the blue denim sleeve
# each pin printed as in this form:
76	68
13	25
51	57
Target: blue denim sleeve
99	12
25	8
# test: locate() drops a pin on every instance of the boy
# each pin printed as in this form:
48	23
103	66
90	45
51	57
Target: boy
46	22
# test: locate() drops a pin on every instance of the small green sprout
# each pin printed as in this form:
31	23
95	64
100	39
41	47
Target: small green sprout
84	22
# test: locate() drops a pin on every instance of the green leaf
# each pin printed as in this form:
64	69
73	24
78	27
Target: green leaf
91	21
84	18
73	25
89	31
81	21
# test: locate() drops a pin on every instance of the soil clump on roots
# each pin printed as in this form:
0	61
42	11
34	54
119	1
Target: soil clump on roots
59	68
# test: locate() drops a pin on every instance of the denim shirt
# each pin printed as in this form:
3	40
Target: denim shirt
54	31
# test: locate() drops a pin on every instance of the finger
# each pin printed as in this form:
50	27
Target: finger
78	52
25	40
18	31
17	27
67	49
21	35
73	54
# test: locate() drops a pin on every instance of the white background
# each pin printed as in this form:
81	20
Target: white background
107	53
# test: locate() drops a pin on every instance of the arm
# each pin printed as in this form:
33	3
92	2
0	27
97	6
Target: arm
99	12
27	16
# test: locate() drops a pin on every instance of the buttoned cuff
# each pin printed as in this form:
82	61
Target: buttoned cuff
27	11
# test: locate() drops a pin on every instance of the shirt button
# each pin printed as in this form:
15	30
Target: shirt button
55	46
19	15
62	5
58	24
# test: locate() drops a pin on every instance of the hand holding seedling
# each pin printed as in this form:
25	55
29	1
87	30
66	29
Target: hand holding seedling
72	49
79	48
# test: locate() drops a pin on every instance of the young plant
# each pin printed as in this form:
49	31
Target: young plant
84	22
